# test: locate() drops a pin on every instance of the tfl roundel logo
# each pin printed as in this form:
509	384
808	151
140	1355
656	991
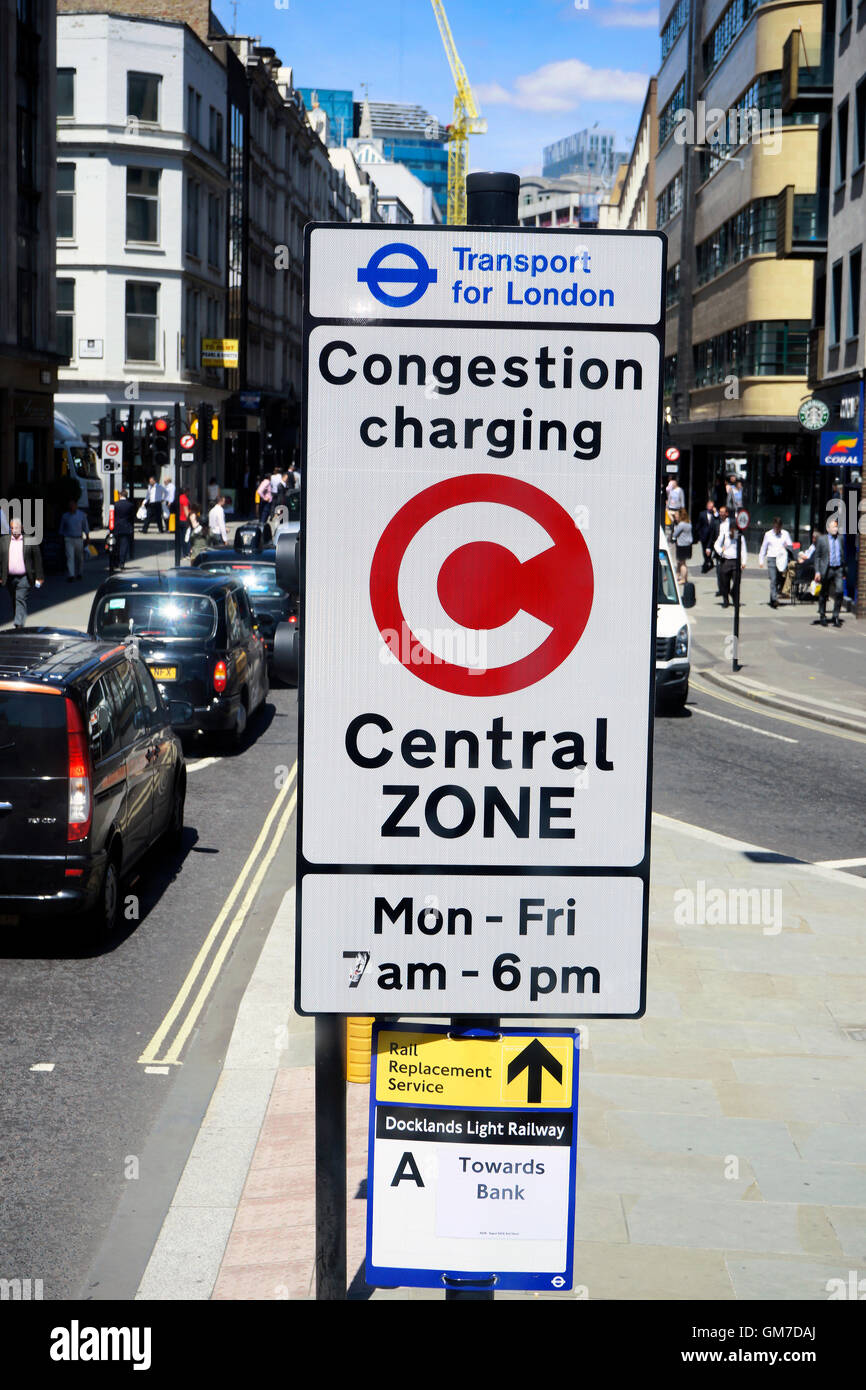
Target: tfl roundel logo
381	270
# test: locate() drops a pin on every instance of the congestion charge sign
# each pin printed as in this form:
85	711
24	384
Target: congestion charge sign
472	1157
479	536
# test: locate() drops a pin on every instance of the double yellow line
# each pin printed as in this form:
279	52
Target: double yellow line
186	1008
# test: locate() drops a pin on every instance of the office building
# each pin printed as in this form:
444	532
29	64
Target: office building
409	135
586	152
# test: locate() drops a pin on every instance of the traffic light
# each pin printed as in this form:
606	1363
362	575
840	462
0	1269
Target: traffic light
161	444
286	646
205	430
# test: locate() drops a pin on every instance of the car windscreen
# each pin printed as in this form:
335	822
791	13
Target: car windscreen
32	734
185	616
259	580
667	582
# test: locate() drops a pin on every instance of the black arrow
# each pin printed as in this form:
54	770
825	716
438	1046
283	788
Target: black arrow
535	1059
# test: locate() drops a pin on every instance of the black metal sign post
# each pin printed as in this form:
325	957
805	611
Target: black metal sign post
491	201
330	1158
175	506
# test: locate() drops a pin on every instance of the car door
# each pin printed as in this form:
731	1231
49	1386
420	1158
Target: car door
133	727
254	648
108	759
163	749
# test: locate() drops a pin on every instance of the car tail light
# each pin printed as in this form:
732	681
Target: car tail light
220	677
293	617
80	795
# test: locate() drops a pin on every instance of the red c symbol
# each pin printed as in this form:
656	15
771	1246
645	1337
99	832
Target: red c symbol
483	585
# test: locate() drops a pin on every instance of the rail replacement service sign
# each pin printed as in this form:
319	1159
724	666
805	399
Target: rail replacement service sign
478	552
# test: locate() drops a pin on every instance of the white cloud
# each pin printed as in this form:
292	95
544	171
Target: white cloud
630	19
562	86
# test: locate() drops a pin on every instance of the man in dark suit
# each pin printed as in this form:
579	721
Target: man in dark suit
20	569
124	528
830	570
708	530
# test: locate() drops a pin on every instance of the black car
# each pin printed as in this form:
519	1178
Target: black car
196	632
91	774
256	568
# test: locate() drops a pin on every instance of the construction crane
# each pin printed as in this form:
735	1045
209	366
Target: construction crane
467	121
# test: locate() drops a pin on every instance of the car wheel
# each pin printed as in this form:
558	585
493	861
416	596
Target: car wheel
174	829
673	704
241	719
104	916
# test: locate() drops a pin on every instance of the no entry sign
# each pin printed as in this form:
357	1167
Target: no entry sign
479	537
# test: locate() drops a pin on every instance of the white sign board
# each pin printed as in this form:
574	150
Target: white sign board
112	455
478	659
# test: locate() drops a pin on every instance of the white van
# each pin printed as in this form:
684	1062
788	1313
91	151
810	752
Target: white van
73	456
673	635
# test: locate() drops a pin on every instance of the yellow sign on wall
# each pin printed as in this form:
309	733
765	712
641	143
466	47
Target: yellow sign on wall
219	352
512	1070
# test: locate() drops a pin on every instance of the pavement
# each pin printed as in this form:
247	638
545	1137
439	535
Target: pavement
785	659
722	1138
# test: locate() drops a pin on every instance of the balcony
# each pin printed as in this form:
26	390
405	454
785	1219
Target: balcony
801	224
806	88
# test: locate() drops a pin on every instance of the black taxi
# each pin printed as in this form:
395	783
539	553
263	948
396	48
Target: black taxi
197	633
256	567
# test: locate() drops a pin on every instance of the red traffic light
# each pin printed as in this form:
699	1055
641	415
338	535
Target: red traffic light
788	455
160	424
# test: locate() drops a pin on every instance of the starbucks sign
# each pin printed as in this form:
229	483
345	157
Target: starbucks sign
813	414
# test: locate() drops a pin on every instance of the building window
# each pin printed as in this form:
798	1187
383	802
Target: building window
836	304
854	268
142	321
670	374
845	12
142	97
192	201
193	113
672	286
770	348
65	202
674	26
841	142
142	205
746	119
860	125
65	94
669	201
213	230
216	132
731	24
66	317
192	341
669	111
750	232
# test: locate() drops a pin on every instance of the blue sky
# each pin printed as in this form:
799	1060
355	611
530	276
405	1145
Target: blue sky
540	70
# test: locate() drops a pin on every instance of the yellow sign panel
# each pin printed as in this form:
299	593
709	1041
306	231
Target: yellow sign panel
513	1070
219	352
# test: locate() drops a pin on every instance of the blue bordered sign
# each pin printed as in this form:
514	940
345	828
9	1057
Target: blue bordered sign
472	1157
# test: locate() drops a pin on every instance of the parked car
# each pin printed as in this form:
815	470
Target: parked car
197	634
258	573
673	636
91	774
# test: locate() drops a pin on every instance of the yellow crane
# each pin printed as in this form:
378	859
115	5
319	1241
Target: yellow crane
467	121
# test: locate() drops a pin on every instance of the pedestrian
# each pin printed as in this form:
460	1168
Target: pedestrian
708	530
277	487
153	500
830	572
216	523
195	538
676	499
213	491
168	499
734	493
263	497
726	547
75	531
776	548
683	539
124	528
806	558
183	507
20	569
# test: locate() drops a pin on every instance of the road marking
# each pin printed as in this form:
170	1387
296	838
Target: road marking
266	838
43	1066
755	707
840	863
696	709
726	842
200	763
158	1071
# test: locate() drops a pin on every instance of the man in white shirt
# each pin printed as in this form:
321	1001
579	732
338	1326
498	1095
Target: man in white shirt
216	522
153	500
776	546
726	548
